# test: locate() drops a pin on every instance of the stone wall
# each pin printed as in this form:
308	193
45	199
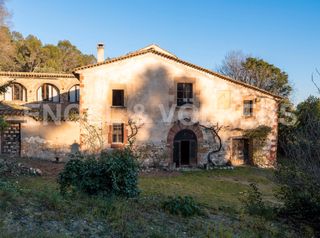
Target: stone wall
49	140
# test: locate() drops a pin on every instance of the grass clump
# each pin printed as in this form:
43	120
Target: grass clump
254	205
185	206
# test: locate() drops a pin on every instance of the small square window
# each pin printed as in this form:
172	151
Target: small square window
248	108
118	97
117	133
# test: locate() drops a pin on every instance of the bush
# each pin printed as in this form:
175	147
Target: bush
253	203
298	171
184	206
114	173
300	194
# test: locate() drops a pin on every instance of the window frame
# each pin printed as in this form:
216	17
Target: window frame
48	99
118	134
114	98
187	95
22	93
248	107
77	93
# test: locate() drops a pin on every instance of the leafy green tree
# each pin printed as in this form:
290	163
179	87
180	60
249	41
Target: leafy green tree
256	72
29	53
266	76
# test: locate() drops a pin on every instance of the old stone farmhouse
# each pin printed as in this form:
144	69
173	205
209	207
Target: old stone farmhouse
185	114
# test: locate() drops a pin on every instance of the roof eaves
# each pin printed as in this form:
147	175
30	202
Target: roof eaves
35	75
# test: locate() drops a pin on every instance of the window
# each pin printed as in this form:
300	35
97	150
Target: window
74	94
184	93
117	133
118	97
248	108
16	92
48	93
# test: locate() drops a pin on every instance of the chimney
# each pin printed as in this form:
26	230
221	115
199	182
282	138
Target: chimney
100	53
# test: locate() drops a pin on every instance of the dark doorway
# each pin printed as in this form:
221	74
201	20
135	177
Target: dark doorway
241	150
185	148
185	152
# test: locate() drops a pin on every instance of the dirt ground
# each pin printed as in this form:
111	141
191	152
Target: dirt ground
52	169
48	168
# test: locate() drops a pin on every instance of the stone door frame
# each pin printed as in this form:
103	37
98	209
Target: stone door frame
177	127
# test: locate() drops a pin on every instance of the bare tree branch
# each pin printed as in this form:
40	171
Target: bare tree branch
313	81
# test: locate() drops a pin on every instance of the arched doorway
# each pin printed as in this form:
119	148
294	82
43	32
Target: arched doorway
185	148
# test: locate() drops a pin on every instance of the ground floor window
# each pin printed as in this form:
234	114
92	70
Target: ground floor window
117	133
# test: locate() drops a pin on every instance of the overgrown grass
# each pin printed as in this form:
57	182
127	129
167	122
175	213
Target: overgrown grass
35	204
218	188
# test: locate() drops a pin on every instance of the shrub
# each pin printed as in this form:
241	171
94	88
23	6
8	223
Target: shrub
300	194
113	173
253	203
298	171
185	206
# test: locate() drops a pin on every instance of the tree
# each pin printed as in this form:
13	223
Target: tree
4	14
314	82
30	55
256	72
232	65
298	171
71	57
7	50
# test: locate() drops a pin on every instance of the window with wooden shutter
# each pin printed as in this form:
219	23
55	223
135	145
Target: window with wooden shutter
117	133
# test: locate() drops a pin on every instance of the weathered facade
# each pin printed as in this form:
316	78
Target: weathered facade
185	114
174	103
30	106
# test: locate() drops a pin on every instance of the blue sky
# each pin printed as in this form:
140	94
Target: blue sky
285	33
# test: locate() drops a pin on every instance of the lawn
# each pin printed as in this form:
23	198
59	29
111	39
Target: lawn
33	207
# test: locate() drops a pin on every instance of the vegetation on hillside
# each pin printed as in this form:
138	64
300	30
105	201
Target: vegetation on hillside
186	204
298	173
29	54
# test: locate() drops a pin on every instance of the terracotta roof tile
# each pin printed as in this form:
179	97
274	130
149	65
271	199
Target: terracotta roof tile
36	75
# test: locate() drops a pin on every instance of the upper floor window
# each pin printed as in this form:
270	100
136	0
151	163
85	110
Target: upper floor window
117	133
48	93
74	94
248	108
184	93
118	97
16	92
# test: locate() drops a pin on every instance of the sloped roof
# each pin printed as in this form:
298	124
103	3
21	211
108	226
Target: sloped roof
154	49
7	108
